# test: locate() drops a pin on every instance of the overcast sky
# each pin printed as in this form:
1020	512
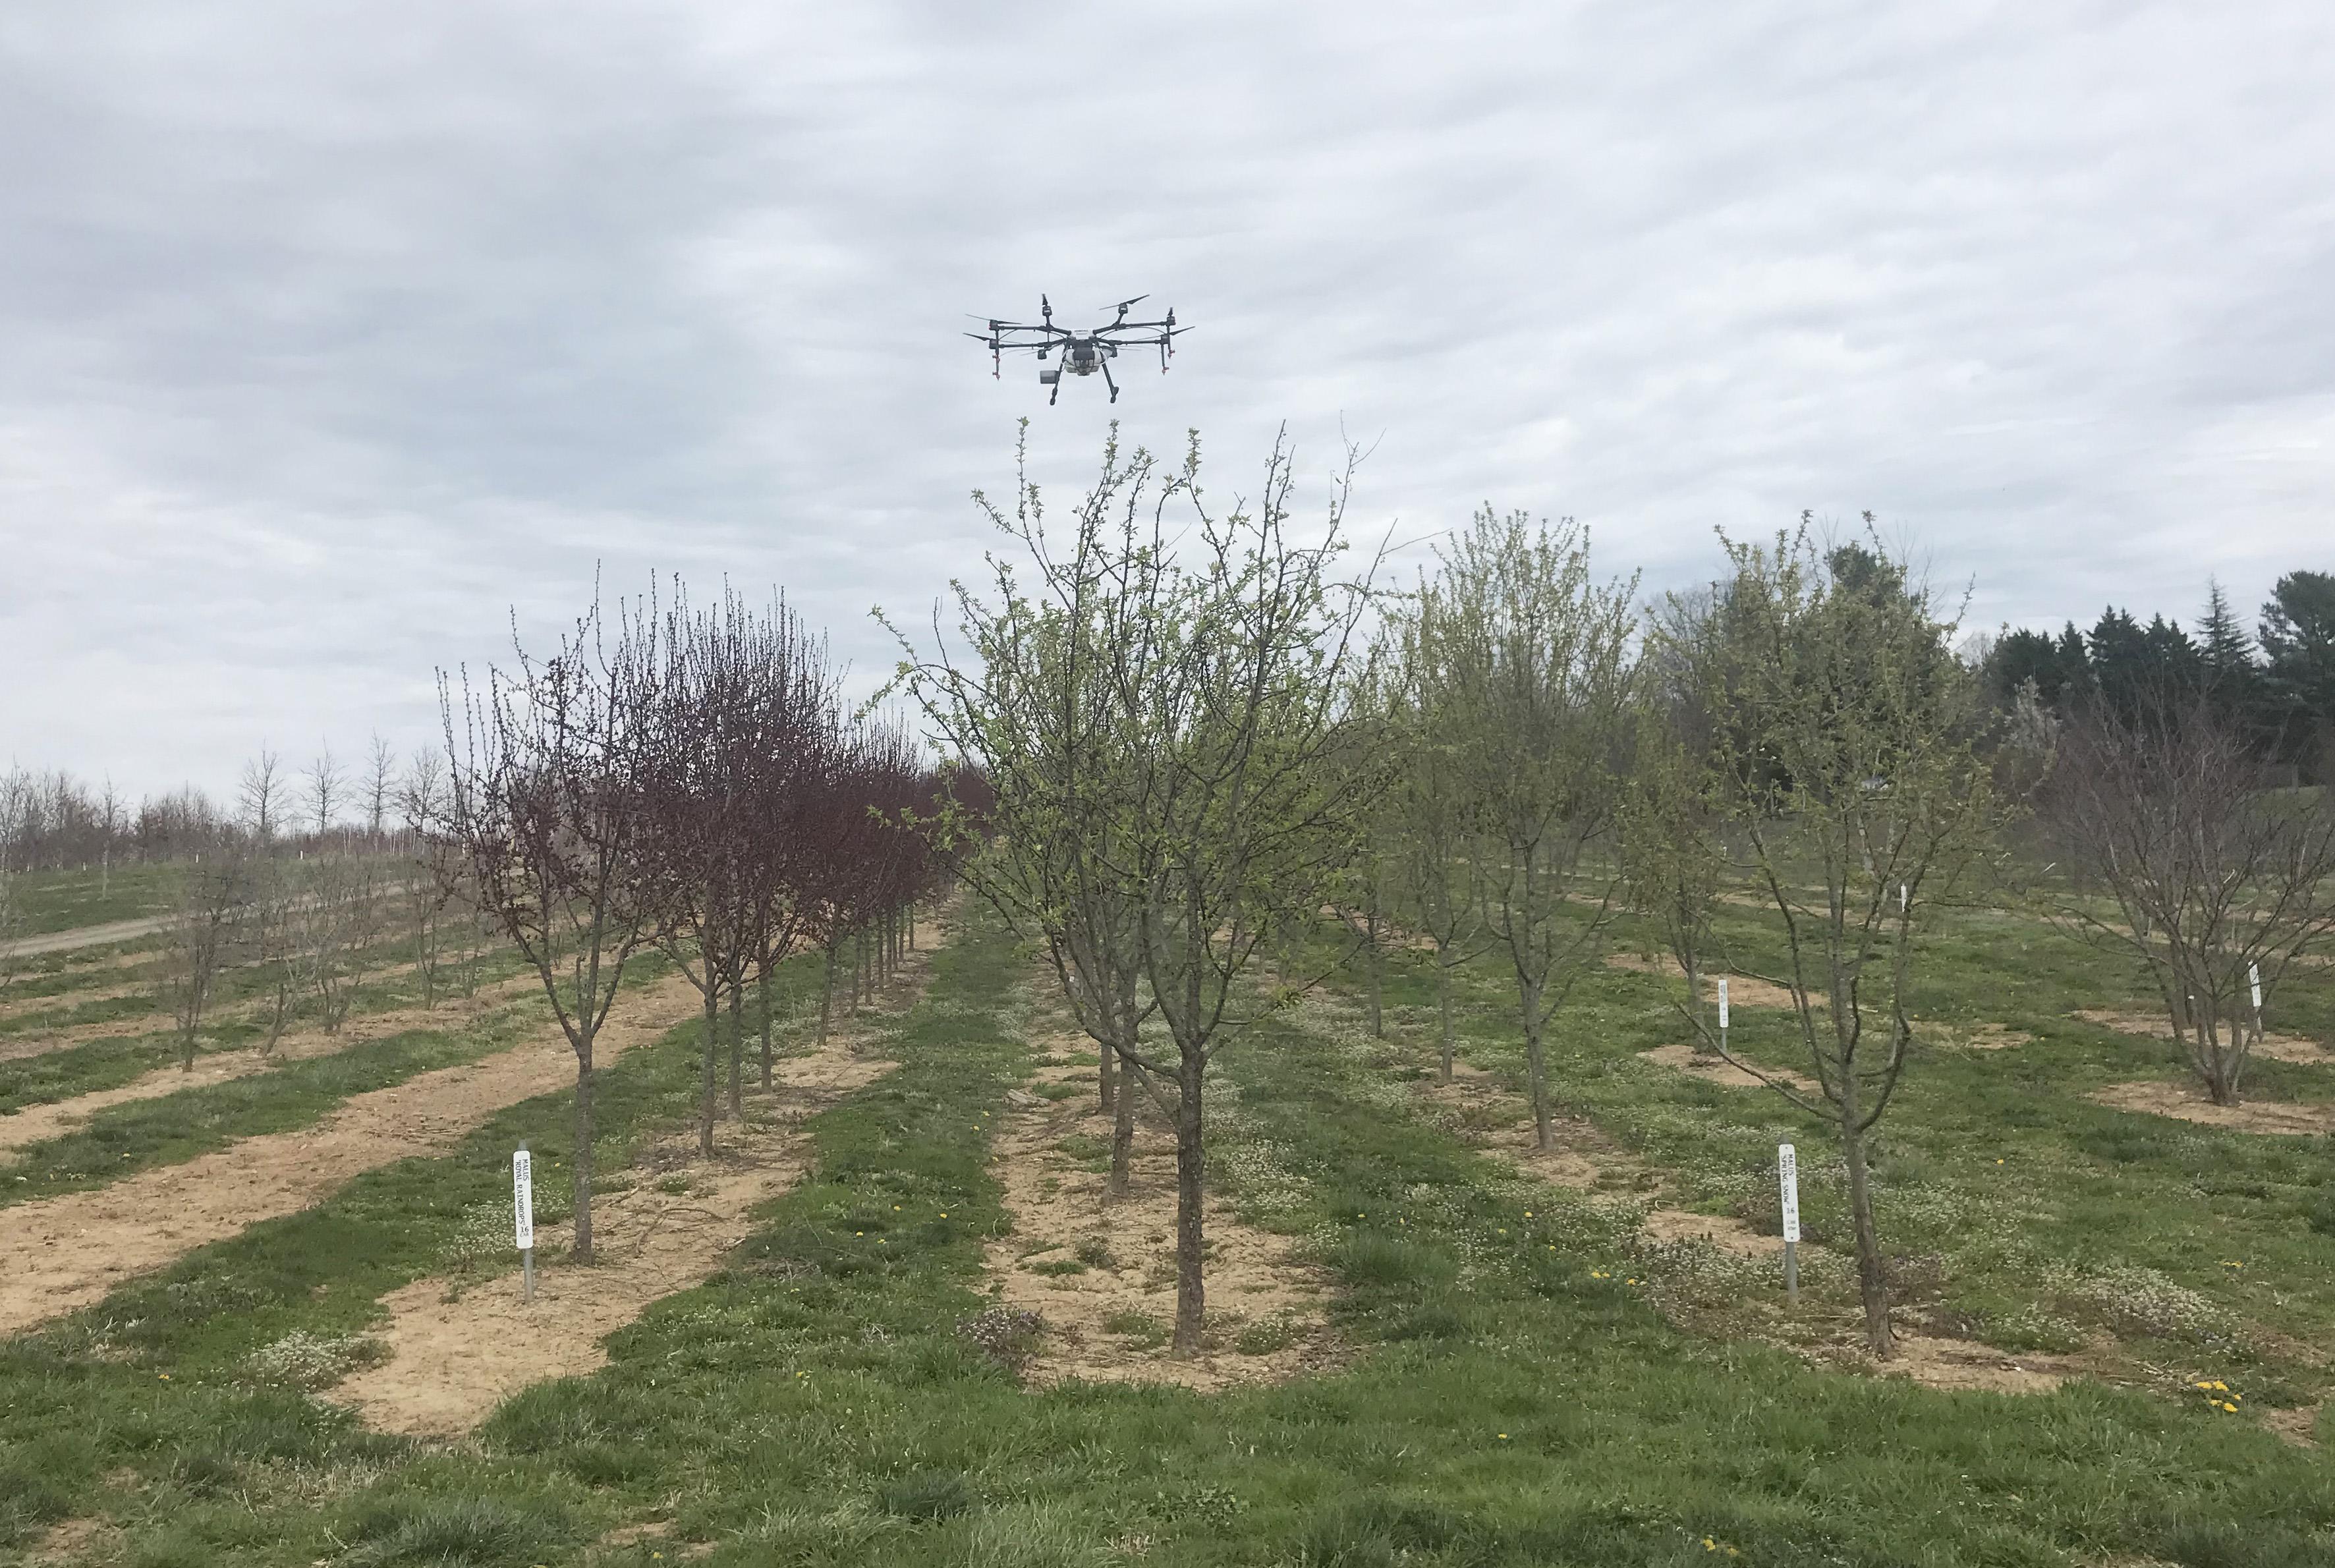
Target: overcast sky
334	336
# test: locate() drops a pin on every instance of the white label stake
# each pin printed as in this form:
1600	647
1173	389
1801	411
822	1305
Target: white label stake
1787	1178
1722	1001
523	1215
2254	978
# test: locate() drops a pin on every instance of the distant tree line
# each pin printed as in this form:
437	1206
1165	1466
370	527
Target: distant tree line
53	822
2276	683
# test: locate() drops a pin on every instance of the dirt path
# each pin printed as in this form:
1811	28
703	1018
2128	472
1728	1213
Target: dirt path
90	935
59	1254
1718	1070
1742	990
1107	1314
33	1124
455	1354
2154	1096
2278	1046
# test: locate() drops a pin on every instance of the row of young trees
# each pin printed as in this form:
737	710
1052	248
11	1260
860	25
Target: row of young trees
52	821
1199	744
688	780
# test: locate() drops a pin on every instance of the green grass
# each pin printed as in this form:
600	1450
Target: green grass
821	1401
67	900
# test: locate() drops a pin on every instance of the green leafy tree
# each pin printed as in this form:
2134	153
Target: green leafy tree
1531	672
1232	798
1848	767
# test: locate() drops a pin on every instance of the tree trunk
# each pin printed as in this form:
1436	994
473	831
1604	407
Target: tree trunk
738	1048
762	998
1108	1073
1872	1278
1191	1292
1443	1004
1377	967
1536	1069
583	1251
712	1052
827	992
1122	1121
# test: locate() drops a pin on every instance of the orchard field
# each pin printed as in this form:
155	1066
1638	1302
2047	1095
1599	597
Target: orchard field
1218	1061
1469	1352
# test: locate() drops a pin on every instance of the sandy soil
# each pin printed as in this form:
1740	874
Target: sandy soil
2297	1426
62	1254
1975	1037
1743	991
1712	1069
1964	1364
2278	1047
1254	1275
2158	1098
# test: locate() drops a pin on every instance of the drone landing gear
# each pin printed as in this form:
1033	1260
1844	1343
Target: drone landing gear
1106	381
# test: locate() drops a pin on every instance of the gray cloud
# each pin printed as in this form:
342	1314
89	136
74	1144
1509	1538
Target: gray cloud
338	335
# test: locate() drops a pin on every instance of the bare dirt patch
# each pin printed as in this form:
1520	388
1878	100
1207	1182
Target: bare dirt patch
1951	1364
2278	1046
1975	1036
2160	1098
59	1254
1106	1319
1712	1070
2298	1425
74	1538
1742	990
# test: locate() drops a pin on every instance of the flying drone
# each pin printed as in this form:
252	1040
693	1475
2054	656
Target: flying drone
1080	353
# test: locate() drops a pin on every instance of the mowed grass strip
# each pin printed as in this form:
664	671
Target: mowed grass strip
113	1061
178	1409
2022	1214
175	1128
828	1398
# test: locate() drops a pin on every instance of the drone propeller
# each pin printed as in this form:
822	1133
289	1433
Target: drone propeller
1124	305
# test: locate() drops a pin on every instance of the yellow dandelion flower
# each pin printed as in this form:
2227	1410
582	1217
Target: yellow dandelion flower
2221	1388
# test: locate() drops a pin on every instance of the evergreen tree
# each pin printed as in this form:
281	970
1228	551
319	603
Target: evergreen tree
2297	645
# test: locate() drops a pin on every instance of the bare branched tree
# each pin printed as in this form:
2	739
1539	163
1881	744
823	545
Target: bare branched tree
327	783
380	788
2181	854
200	939
261	796
545	807
1532	677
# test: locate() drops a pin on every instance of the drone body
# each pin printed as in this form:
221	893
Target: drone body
1078	354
